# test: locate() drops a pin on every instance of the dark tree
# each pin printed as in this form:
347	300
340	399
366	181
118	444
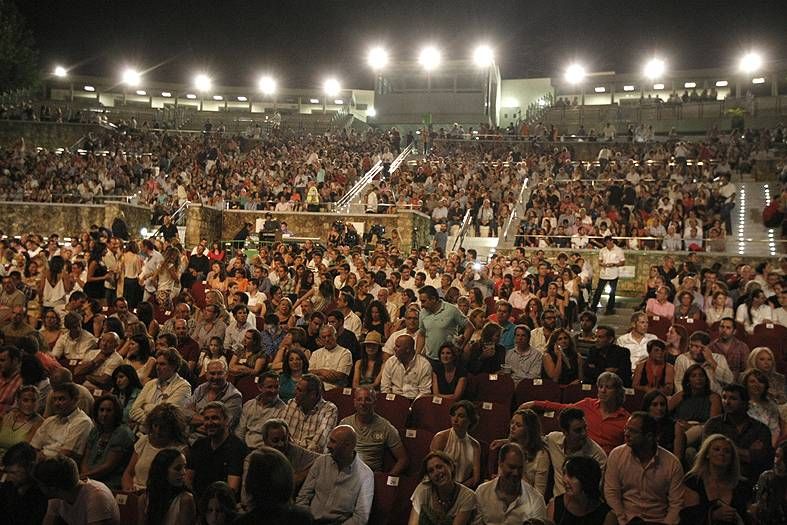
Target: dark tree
18	55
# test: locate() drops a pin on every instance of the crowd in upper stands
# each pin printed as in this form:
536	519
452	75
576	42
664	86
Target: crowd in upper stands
201	382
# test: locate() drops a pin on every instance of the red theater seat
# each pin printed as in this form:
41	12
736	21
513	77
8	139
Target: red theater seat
498	388
431	413
343	399
537	390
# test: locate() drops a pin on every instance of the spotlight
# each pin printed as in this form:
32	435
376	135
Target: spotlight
202	82
131	77
655	68
267	85
575	73
430	58
750	62
60	71
377	58
331	87
483	56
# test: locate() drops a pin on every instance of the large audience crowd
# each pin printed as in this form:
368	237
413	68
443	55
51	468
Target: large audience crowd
343	385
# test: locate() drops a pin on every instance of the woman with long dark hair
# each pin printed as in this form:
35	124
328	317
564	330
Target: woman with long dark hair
582	503
109	444
217	505
126	386
167	501
146	315
449	376
695	404
368	369
376	319
525	431
97	273
755	310
770	505
561	361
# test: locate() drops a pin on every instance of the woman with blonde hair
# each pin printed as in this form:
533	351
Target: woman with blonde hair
717	493
762	359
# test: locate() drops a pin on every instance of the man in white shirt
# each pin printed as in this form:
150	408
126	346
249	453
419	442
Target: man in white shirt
331	363
407	280
580	239
66	432
637	339
352	322
509	499
715	365
99	364
74	344
148	277
406	374
169	387
610	259
410	328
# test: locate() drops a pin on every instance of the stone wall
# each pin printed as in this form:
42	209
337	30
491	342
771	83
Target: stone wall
203	222
68	219
48	135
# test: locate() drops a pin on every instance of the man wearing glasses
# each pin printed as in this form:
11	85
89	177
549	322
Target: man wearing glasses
410	328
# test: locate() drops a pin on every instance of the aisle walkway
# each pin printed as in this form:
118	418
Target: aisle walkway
749	235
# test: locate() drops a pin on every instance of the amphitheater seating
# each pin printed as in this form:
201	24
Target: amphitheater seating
536	389
343	399
498	388
493	421
431	413
416	442
395	409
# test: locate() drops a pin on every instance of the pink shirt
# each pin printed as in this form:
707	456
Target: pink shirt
666	310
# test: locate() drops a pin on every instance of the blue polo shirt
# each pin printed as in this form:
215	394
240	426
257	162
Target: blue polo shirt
439	327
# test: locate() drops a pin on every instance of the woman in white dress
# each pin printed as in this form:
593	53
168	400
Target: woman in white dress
460	446
56	287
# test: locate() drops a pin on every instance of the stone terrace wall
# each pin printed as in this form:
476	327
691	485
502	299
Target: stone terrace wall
67	219
50	135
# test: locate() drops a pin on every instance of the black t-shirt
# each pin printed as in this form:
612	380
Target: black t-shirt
169	232
215	465
22	509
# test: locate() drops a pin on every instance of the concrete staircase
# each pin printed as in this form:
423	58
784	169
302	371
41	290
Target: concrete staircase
749	234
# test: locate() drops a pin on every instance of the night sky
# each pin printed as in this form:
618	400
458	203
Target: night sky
301	42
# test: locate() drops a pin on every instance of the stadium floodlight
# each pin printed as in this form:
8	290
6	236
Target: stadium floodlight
131	77
141	92
202	82
60	71
377	58
331	87
575	73
483	56
267	85
430	58
751	62
655	68
371	112
243	99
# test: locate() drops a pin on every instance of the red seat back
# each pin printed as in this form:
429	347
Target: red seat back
773	336
692	325
497	388
659	326
395	409
431	413
576	392
493	421
416	442
343	399
536	390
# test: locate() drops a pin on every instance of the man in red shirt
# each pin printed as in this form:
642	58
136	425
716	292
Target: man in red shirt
605	415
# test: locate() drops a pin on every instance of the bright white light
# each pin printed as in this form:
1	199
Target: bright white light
655	68
377	58
658	87
758	80
166	94
89	88
314	101
143	232
60	71
141	92
218	97
131	77
510	103
483	56
267	85
689	85
331	87
722	83
202	82
191	96
750	62
371	112
628	88
542	102
338	102
575	74
599	89
430	58
242	99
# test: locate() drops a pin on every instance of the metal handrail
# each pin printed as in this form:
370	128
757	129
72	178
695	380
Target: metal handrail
359	185
176	215
515	208
462	231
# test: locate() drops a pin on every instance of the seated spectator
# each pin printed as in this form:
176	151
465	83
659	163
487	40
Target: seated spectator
670	434
167	500
770	505
716	466
643	481
439	498
331	363
169	387
763	360
295	365
695	403
718	308
210	325
21	499
561	361
21	422
582	502
752	439
344	337
375	433
486	355
761	407
74	344
339	487
606	356
733	349
61	376
525	431
52	329
267	405
269	483
276	434
605	415
368	370
109	445
572	440
407	374
449	377
250	358
216	388
125	386
539	336
715	365
66	432
755	310
167	426
241	322
524	361
140	356
187	347
10	376
655	373
219	455
686	308
97	365
215	352
637	339
71	500
660	305
463	449
509	498
309	416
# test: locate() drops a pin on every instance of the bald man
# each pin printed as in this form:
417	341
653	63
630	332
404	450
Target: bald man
339	487
406	374
98	364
